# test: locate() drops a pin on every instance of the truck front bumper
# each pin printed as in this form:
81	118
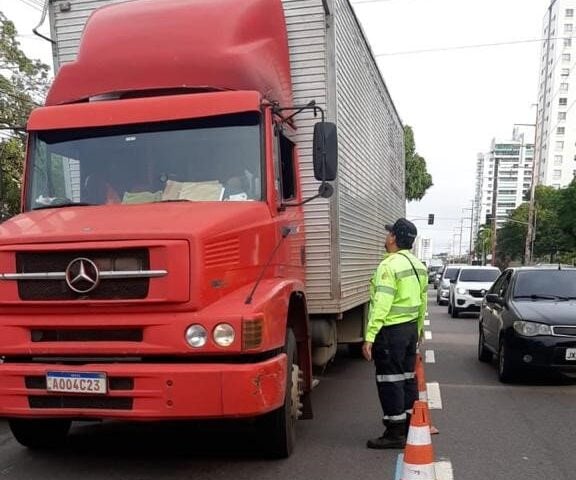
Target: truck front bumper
142	391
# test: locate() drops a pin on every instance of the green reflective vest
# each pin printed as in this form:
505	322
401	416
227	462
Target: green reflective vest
396	294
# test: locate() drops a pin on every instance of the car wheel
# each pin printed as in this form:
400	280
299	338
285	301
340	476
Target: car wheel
455	312
484	355
40	433
449	307
506	371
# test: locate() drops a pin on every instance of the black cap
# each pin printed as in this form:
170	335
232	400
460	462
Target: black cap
403	229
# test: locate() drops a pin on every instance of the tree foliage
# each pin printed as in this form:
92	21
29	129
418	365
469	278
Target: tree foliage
418	180
555	232
23	86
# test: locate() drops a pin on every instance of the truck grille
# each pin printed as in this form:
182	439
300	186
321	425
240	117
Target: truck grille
108	289
95	402
86	335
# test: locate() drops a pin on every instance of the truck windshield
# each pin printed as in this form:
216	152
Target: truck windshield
215	159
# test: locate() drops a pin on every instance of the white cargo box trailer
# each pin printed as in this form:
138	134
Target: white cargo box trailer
331	63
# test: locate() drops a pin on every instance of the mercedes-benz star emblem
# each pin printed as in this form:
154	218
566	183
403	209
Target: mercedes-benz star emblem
82	275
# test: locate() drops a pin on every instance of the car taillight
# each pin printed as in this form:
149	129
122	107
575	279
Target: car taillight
251	333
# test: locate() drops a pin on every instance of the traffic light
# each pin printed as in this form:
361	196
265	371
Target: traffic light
430	219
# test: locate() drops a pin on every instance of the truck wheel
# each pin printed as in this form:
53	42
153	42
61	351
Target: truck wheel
279	426
40	433
484	355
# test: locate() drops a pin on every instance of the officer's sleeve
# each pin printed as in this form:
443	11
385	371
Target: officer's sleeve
423	304
382	291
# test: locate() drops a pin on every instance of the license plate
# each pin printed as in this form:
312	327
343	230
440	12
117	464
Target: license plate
571	354
76	382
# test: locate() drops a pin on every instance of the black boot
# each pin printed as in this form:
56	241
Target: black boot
393	437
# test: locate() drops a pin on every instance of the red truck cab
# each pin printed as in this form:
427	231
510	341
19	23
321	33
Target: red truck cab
157	269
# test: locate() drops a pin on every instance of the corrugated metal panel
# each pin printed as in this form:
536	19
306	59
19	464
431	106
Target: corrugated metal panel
307	34
371	153
67	26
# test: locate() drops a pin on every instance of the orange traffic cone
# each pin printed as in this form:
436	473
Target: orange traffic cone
422	390
419	455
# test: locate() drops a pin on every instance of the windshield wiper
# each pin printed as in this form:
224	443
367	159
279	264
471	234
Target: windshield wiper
538	297
65	204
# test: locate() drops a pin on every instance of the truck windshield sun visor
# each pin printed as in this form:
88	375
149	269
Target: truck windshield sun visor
211	159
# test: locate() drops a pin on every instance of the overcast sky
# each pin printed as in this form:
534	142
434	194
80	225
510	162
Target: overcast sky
456	100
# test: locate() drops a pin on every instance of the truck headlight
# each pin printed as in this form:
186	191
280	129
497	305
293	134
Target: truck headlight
224	334
531	329
196	336
461	291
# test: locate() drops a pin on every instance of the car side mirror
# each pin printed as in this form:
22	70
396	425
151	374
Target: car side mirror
325	151
494	298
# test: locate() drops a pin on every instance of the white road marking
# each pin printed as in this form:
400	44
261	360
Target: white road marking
429	356
434	397
444	470
426	323
427	334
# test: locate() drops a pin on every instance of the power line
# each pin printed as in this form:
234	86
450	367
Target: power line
463	47
32	4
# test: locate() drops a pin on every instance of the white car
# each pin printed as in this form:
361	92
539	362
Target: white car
467	292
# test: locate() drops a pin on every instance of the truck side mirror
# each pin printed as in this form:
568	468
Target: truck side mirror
325	151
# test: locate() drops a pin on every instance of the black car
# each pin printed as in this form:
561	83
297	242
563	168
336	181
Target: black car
528	319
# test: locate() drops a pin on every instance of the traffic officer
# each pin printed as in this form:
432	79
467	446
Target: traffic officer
398	302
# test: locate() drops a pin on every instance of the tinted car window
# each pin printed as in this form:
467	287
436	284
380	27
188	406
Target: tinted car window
546	283
478	275
451	273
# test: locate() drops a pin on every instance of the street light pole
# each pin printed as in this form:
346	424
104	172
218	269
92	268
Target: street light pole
494	205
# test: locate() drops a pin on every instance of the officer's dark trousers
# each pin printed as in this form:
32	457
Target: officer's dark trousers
394	353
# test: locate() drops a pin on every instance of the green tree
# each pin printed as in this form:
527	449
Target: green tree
555	224
418	180
23	86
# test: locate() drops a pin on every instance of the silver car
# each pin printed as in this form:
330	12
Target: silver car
448	276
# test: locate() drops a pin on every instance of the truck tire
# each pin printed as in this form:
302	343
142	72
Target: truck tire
279	426
40	433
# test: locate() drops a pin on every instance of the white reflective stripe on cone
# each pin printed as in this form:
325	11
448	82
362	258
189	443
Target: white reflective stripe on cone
390	378
418	472
419	436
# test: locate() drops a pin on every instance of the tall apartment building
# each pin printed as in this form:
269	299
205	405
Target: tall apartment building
507	170
556	122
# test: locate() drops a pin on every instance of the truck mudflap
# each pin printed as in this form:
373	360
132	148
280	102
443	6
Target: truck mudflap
145	391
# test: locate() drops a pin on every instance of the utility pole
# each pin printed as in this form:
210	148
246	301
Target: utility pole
532	203
471	230
460	248
494	203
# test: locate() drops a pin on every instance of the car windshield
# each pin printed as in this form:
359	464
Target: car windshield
214	159
546	283
451	273
479	275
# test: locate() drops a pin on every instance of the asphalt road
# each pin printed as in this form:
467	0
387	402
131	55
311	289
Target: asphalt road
488	431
